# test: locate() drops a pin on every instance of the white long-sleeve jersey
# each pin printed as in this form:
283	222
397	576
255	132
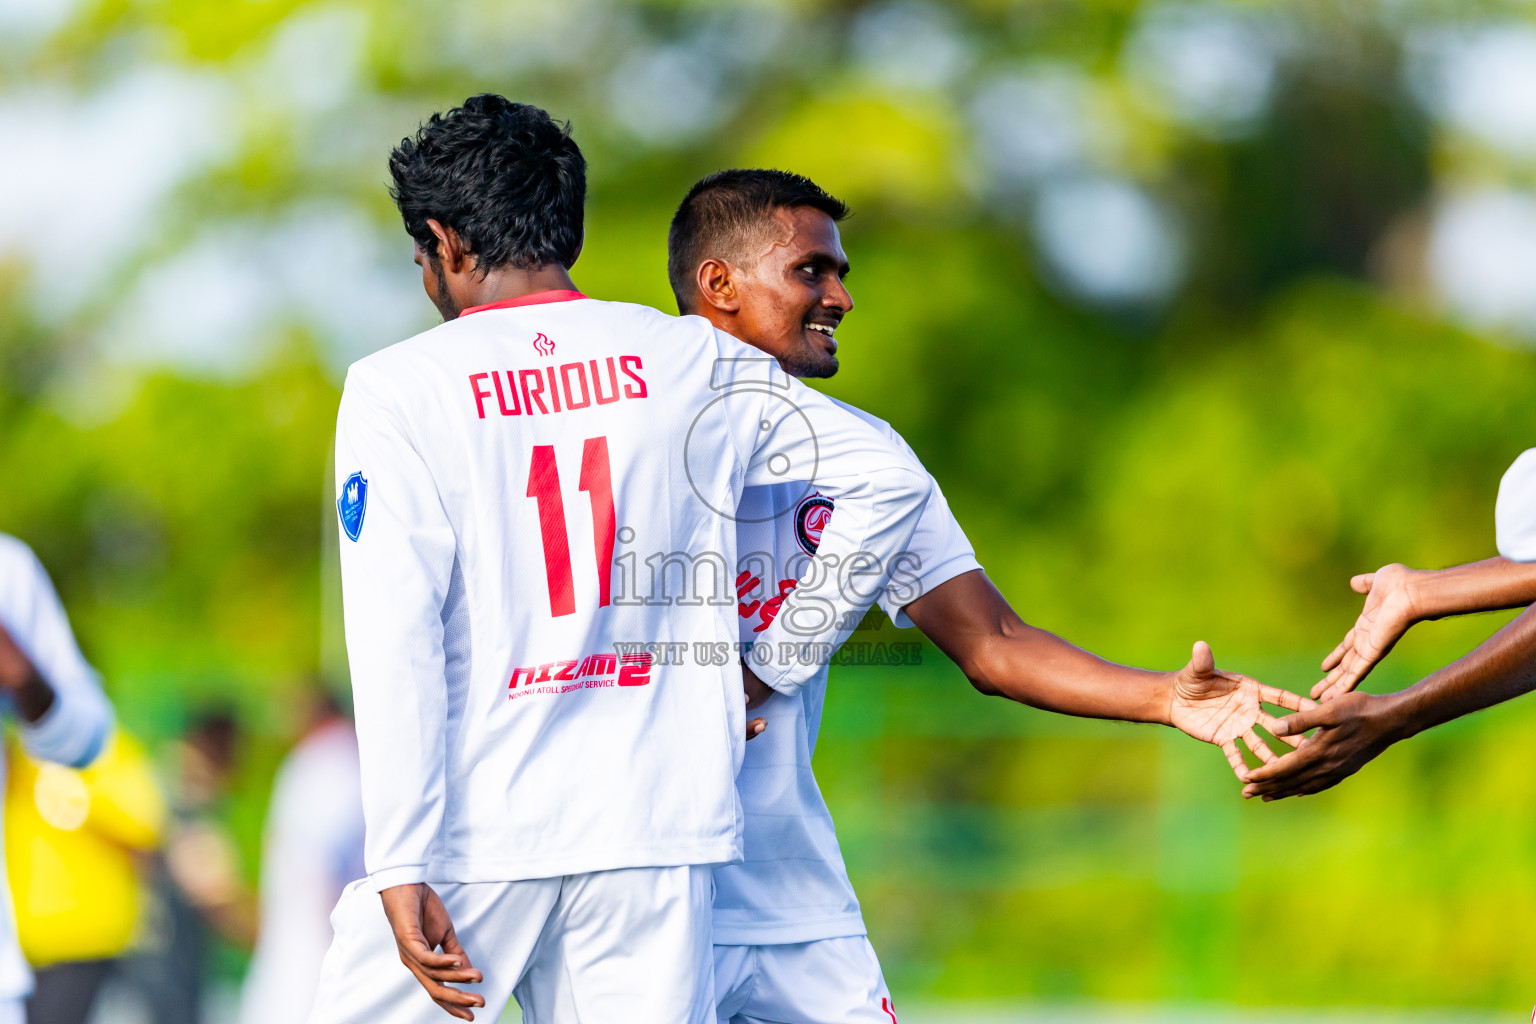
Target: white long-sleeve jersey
538	503
72	731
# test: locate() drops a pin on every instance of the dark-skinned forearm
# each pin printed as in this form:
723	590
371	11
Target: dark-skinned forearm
973	624
1484	586
1500	668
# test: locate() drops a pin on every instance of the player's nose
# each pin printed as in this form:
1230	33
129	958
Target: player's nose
838	297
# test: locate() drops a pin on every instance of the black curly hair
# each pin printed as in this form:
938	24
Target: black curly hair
721	215
506	176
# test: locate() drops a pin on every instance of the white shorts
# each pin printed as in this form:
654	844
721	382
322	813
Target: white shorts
829	981
629	945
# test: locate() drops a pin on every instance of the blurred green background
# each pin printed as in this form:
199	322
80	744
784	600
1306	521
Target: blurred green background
1194	310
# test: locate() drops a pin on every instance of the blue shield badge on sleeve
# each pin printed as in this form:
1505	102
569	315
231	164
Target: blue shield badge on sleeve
352	504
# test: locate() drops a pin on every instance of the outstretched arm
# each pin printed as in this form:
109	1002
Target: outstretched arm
1355	728
1002	655
1396	597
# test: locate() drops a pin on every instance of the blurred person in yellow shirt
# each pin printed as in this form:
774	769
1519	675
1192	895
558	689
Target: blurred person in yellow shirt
74	840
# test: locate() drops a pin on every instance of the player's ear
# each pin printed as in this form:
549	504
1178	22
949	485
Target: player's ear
717	286
450	247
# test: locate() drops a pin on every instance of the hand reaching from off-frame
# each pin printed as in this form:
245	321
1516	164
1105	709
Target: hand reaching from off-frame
421	926
1387	614
1221	707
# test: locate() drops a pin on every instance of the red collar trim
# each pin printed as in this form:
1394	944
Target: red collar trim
557	295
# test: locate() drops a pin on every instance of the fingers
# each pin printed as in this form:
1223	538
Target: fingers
1336	690
1361	584
1284	698
1201	661
1277	774
1235	759
1301	721
755	727
1337	654
1272	724
1257	746
445	966
452	1000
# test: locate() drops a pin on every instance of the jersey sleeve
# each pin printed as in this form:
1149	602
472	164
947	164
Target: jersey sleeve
1514	514
879	490
75	727
397	551
939	552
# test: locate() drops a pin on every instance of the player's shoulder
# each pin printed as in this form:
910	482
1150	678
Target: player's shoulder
868	417
1523	470
16	555
888	431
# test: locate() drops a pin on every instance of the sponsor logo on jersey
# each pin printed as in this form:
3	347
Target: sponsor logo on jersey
569	387
352	505
766	611
595	671
543	346
811	517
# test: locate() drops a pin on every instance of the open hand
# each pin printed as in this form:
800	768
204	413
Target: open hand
1219	707
1387	614
1351	730
421	926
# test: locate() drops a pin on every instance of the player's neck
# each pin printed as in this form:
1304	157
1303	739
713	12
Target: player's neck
513	283
724	321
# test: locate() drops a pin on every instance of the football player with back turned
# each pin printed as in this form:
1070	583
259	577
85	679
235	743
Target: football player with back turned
539	812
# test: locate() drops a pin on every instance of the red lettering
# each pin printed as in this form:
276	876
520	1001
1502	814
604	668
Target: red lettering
770	609
581	377
599	665
480	396
554	389
531	395
516	673
566	671
543	676
597	481
635	670
544	486
500	398
613	383
630	392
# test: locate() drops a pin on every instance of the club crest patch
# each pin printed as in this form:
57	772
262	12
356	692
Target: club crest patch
352	505
543	346
811	517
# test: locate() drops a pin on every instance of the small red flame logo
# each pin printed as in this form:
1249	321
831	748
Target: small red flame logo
543	346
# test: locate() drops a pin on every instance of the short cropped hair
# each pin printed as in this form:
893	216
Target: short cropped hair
506	176
723	214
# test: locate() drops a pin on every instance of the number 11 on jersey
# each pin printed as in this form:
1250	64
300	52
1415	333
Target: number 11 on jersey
544	487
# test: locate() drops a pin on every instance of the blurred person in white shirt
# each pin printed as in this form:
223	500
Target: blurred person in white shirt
312	846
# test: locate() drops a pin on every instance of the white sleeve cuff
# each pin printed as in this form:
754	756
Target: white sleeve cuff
388	878
926	584
73	731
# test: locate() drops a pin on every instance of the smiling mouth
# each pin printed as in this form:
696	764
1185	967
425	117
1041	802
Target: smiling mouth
828	332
